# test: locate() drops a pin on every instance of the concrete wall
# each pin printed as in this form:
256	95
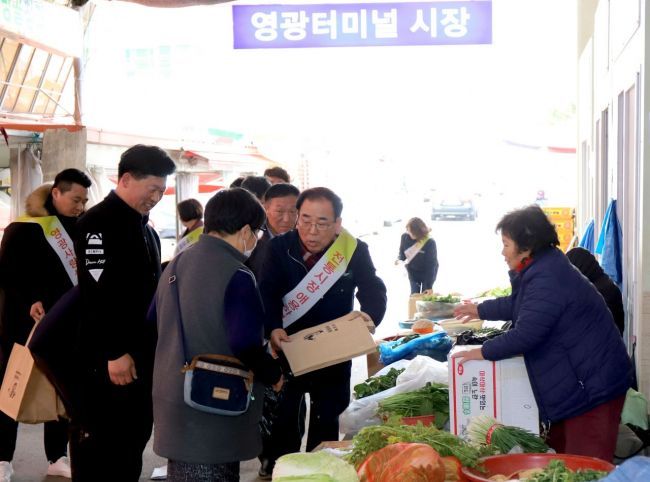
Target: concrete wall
612	39
61	150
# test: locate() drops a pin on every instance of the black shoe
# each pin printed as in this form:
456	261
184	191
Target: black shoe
266	469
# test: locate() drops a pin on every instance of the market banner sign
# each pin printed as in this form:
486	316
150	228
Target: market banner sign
362	24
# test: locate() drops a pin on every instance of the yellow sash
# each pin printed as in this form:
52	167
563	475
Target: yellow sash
59	239
320	278
187	241
414	249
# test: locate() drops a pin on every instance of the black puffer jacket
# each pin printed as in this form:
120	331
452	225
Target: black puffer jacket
588	266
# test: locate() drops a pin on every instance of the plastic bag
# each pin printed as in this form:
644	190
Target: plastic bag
435	345
403	461
363	412
635	410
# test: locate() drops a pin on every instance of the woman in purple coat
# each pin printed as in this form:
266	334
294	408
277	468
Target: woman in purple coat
577	363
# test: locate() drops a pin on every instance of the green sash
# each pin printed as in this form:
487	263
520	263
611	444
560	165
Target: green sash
320	278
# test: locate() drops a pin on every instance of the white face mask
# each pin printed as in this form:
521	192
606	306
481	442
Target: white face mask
248	252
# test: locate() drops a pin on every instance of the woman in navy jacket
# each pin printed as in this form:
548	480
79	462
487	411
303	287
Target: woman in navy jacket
577	363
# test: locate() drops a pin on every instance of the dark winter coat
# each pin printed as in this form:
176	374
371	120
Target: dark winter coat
284	269
30	269
574	354
119	265
588	266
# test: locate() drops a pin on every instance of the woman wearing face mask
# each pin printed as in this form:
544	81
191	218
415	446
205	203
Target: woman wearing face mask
222	314
577	363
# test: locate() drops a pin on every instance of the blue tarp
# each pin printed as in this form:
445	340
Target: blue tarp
587	240
610	243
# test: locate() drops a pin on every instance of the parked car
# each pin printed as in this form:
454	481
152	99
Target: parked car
454	208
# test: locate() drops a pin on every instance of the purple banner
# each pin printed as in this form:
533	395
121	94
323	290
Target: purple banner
362	24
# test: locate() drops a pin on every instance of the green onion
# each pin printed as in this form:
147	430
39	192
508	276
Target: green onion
484	430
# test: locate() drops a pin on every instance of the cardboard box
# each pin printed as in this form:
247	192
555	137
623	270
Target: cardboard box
497	389
329	343
412	302
339	444
558	212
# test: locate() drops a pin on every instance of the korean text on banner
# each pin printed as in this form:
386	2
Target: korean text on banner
362	24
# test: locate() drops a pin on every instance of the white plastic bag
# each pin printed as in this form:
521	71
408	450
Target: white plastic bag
418	372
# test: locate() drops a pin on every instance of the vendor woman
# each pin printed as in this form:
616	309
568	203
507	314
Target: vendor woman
577	363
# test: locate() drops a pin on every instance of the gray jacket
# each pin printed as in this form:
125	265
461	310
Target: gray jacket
181	432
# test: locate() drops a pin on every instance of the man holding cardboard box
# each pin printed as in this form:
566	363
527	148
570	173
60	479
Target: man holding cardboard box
310	277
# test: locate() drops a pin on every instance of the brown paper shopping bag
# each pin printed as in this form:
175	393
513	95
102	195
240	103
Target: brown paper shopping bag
26	395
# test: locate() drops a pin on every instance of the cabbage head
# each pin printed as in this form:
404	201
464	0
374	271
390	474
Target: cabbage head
313	467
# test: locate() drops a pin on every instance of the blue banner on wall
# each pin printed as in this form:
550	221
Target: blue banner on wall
362	24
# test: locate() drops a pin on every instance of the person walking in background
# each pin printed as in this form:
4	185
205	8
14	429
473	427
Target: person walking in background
222	314
417	250
588	266
37	266
576	361
292	260
119	267
276	175
190	212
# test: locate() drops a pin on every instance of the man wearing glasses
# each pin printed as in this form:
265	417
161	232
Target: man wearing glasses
332	267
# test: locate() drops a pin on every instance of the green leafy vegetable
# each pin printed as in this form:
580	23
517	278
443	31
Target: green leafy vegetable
405	340
377	384
433	399
441	299
556	471
497	292
370	439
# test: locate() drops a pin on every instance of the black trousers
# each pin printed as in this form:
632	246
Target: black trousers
329	393
419	284
108	440
55	438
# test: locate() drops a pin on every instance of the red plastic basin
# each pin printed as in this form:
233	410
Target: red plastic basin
512	463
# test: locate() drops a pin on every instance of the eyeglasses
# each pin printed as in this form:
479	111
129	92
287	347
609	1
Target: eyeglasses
308	225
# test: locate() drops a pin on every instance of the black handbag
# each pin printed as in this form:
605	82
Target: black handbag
217	384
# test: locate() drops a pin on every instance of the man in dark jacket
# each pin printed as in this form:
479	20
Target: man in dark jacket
38	266
588	266
281	214
291	260
119	267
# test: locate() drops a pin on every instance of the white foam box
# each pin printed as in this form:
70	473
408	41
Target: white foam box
498	389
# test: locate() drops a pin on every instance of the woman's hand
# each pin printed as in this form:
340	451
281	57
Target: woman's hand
468	355
466	312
